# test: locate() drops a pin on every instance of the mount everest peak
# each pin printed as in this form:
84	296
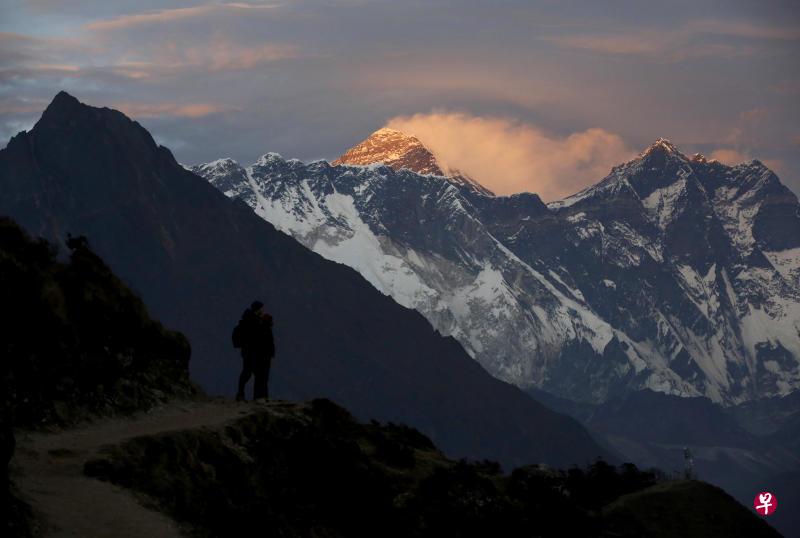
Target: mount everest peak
393	148
400	150
672	273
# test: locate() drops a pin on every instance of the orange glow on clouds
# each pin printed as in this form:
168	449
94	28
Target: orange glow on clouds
729	156
509	157
732	157
186	110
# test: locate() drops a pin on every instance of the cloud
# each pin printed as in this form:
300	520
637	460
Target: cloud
147	45
35	53
696	39
637	44
661	46
220	54
21	105
166	56
744	29
308	76
729	156
509	157
748	122
787	87
215	55
177	110
162	16
732	157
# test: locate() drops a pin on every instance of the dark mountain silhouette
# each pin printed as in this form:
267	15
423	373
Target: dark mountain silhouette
198	259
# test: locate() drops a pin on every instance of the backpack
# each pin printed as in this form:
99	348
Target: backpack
238	335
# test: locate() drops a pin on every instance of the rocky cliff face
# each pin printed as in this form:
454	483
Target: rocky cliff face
673	273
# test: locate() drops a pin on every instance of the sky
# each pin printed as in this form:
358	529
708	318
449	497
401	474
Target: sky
540	96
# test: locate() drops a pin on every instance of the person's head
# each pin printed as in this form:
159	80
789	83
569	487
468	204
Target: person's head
256	306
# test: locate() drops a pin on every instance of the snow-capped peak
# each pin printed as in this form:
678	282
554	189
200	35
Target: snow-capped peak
269	157
400	150
664	146
219	168
389	132
225	162
393	148
670	274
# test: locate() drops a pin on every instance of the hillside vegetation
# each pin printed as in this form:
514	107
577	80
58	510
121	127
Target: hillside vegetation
313	470
76	343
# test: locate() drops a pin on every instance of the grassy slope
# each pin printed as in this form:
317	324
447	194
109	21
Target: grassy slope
683	508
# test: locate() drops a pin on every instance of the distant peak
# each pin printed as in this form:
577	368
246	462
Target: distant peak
225	162
63	97
662	145
401	150
389	131
62	102
662	148
396	136
754	163
393	148
269	158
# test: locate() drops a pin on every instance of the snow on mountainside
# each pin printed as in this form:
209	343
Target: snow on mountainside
677	274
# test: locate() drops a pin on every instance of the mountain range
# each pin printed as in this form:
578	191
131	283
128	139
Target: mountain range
673	273
123	423
198	258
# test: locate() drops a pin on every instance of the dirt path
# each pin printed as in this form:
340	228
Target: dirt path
48	470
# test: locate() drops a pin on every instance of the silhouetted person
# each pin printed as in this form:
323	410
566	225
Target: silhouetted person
253	335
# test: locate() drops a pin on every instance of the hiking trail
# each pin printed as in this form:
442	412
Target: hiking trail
47	469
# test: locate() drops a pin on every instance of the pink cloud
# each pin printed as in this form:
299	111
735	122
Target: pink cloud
221	54
169	15
21	105
745	29
729	156
182	110
216	54
695	39
732	157
614	44
509	157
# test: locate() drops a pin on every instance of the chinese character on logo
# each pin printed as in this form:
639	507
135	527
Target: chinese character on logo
765	503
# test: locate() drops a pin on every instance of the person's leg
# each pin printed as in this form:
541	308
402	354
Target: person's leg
267	368
244	377
261	371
